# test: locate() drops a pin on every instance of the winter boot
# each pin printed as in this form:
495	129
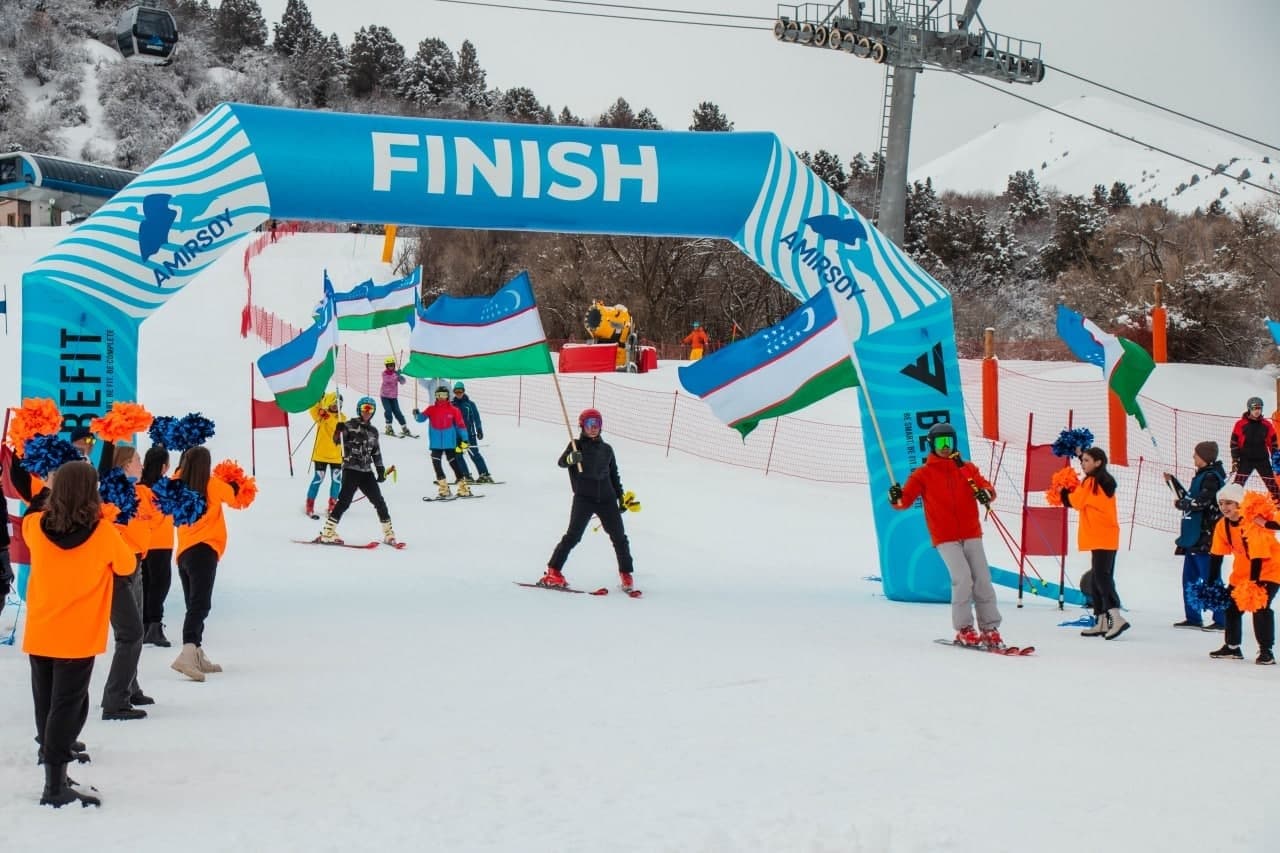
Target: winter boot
966	636
1118	624
442	489
1228	653
124	714
188	662
60	791
991	640
388	534
390	430
204	663
625	577
310	508
154	635
141	698
329	533
553	578
1099	627
1265	658
484	478
464	489
404	432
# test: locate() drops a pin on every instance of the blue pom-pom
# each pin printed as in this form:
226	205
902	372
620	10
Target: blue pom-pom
46	453
162	431
1071	441
1275	460
181	434
175	499
1208	596
114	488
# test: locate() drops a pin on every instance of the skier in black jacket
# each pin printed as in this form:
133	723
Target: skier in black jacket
362	469
1253	440
597	491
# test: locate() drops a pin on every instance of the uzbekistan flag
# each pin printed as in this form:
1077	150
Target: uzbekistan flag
473	337
298	371
1125	364
373	306
778	370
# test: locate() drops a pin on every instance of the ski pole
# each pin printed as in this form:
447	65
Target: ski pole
294	452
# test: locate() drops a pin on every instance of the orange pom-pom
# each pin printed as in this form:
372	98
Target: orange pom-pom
1258	505
228	471
248	490
1249	596
123	421
1063	478
38	416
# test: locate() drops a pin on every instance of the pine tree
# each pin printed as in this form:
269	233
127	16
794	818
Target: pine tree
923	212
859	167
431	76
828	167
238	24
646	120
1076	226
521	105
472	87
1100	195
707	116
295	25
376	61
618	115
1026	204
568	118
1119	196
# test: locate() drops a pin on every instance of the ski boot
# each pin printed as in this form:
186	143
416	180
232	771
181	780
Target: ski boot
553	578
625	578
60	791
966	636
404	432
484	478
329	533
388	534
333	502
389	430
442	488
991	640
464	489
310	508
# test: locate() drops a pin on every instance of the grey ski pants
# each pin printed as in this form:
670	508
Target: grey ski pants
971	587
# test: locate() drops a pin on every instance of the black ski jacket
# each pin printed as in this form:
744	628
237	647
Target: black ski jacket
599	478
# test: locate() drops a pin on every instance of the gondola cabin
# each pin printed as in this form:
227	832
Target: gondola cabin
145	34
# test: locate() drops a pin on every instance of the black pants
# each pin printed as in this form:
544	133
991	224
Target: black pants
579	517
1103	566
6	570
1264	621
197	569
157	577
126	622
1245	467
367	483
60	691
459	469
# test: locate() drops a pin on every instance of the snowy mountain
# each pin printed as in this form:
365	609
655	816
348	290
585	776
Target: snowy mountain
1074	157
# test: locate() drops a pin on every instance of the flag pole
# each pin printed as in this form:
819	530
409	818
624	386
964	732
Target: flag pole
871	410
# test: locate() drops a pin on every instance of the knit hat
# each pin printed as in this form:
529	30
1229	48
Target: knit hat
1233	492
1207	451
458	386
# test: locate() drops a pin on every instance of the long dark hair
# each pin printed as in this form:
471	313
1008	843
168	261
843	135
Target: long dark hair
196	467
73	499
154	465
1101	475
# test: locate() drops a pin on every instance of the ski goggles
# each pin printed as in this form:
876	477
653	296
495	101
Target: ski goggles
368	409
944	444
591	423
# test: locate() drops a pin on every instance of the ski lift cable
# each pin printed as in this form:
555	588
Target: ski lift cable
603	15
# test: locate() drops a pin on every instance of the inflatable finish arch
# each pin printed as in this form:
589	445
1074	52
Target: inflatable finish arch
240	165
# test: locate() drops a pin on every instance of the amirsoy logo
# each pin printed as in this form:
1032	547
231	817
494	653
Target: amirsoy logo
155	228
846	231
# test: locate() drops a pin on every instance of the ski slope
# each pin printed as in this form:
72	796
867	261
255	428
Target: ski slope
762	696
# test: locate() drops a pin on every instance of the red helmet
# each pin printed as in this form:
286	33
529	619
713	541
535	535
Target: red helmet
589	414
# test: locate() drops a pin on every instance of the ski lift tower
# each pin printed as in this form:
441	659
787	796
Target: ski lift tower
906	36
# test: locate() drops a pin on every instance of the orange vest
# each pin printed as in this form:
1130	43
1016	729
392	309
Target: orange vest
1246	541
211	528
69	591
137	532
1099	527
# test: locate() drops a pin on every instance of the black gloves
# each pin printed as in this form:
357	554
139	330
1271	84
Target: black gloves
895	493
479	436
1065	494
1183	504
983	496
1255	569
573	457
382	474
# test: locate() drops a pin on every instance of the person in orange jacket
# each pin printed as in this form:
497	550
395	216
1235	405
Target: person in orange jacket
200	547
697	340
1256	558
74	557
1099	533
157	563
952	489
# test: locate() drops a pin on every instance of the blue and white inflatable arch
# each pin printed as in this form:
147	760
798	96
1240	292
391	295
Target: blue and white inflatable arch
240	165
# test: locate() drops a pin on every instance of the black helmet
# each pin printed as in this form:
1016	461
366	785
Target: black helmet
1254	403
942	430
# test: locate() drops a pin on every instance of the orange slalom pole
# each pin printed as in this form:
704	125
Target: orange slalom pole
1118	425
388	244
990	388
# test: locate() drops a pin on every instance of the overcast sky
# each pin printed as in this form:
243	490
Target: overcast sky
1216	61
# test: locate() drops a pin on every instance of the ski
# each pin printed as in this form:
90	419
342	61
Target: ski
398	545
1007	651
601	591
631	592
436	499
317	541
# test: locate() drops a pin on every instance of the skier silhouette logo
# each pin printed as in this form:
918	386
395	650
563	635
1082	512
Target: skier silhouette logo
157	219
831	227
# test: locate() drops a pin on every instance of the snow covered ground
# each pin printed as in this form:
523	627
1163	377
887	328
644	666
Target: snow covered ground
763	696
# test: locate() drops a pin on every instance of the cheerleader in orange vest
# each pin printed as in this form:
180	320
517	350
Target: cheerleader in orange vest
1099	533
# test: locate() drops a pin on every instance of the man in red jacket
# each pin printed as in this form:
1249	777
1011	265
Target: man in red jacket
952	490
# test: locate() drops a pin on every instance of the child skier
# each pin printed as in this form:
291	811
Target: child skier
597	491
362	469
390	392
952	490
447	437
326	455
475	430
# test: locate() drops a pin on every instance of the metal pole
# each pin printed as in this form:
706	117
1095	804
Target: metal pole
893	193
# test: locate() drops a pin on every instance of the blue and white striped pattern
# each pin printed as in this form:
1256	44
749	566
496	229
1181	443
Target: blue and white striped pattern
892	285
208	173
